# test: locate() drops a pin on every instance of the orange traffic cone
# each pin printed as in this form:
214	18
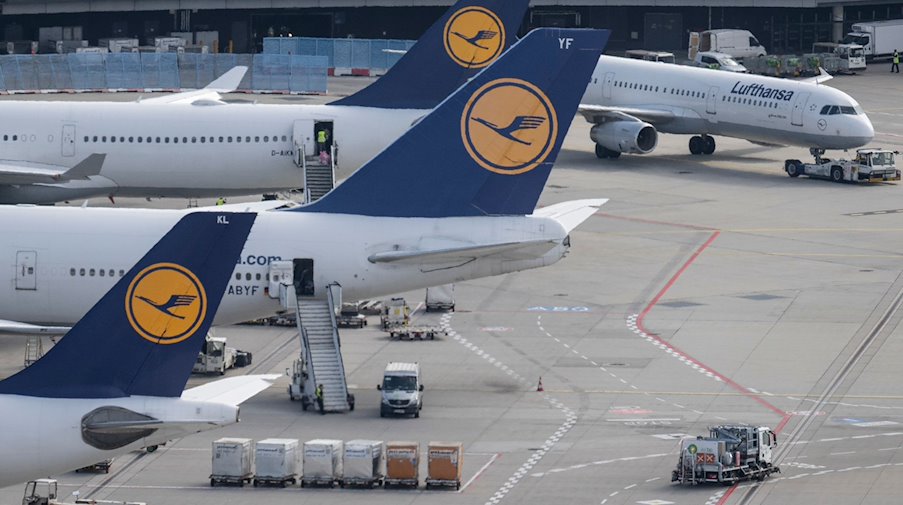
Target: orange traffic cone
539	386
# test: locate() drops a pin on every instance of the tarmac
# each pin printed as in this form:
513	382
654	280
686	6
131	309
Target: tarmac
709	289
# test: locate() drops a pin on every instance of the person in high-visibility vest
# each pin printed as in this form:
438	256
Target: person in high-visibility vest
220	201
319	393
322	138
895	66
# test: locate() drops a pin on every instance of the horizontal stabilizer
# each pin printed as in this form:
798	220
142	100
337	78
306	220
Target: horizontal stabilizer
17	328
528	249
231	391
24	172
571	214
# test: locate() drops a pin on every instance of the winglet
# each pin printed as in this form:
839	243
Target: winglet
823	76
488	148
468	37
229	81
92	165
143	336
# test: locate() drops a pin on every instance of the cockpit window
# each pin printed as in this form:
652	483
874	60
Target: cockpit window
830	110
844	109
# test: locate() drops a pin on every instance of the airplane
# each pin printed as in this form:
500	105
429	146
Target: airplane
630	101
116	381
195	144
451	200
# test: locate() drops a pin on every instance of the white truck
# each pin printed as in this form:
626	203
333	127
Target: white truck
731	453
877	38
738	43
216	357
869	165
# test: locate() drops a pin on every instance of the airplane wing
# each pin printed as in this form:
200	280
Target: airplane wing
231	391
510	250
822	76
24	172
226	83
571	214
601	113
17	328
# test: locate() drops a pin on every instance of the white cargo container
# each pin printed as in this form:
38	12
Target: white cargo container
233	461
440	298
362	463
322	462
276	461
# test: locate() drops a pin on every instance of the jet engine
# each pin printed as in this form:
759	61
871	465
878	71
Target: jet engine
635	137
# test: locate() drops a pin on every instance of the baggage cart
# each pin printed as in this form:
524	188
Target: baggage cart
276	461
322	464
233	461
444	463
362	463
102	466
402	464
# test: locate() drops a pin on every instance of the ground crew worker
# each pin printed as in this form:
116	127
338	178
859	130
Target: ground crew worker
322	138
895	66
220	201
319	393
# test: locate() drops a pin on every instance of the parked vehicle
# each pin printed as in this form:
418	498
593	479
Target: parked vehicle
440	298
737	43
402	390
642	54
869	165
718	61
731	453
877	38
851	56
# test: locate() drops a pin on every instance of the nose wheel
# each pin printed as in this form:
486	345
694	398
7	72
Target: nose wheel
702	144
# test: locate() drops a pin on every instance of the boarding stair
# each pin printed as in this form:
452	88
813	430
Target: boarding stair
321	350
34	349
319	177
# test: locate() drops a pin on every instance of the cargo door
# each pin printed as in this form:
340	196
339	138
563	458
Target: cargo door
710	100
799	106
68	140
303	139
26	270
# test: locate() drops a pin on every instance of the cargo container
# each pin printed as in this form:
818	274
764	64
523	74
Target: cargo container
362	463
402	464
444	463
322	464
277	462
233	461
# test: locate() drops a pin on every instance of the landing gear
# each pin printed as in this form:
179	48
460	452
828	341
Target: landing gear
817	153
702	144
604	152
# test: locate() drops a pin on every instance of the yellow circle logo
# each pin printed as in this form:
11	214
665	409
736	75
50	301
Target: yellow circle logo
474	37
509	126
165	303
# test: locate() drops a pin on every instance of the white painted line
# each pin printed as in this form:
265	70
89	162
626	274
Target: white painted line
480	471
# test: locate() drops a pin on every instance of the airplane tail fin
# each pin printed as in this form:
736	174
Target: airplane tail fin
488	148
470	36
143	336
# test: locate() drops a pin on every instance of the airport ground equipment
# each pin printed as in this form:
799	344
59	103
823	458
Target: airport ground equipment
731	453
362	464
410	332
100	466
869	165
402	390
216	357
322	464
445	461
440	298
233	461
395	312
44	492
402	464
350	317
276	462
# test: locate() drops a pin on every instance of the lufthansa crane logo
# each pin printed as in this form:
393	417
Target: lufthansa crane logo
165	303
474	37
509	126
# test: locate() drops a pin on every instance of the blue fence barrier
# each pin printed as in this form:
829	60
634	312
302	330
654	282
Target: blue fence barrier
372	54
116	71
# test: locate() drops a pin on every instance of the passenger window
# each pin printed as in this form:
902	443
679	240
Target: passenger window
229	139
103	139
258	277
131	140
256	139
86	138
210	139
121	273
175	140
158	140
238	277
266	139
221	140
112	273
203	139
81	272
139	140
194	140
113	139
102	272
72	272
248	276
166	140
238	139
247	139
184	140
91	272
6	137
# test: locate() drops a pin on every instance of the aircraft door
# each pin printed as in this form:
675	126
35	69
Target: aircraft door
606	85
303	276
303	139
26	270
710	100
68	140
799	106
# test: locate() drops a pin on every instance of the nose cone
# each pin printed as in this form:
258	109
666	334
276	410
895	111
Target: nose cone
856	133
866	129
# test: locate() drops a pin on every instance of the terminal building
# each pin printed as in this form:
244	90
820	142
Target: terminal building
240	25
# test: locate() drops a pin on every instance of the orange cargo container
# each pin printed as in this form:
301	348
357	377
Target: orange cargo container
402	464
444	463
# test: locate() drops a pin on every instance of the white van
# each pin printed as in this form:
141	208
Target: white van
402	390
718	61
737	43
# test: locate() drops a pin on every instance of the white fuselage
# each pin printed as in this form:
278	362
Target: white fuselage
43	436
196	149
761	109
75	251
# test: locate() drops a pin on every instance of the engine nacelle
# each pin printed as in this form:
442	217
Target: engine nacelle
634	137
